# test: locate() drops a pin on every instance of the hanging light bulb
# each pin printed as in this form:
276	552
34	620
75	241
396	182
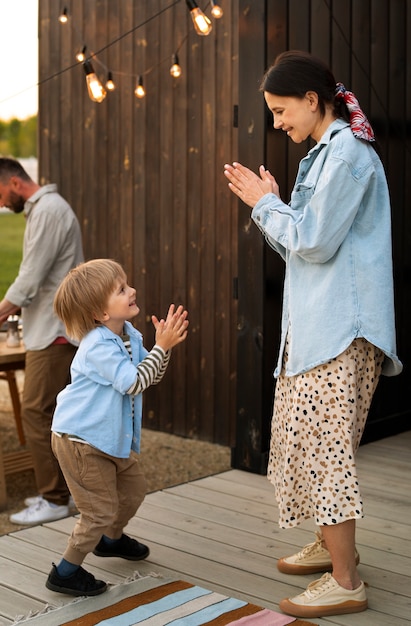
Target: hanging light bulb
175	69
201	22
110	86
216	10
81	54
63	17
96	90
139	91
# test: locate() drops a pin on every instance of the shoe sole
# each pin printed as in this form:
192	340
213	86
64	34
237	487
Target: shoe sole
300	570
74	592
122	556
300	610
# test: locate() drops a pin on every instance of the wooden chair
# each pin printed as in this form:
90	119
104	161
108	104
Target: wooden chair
10	376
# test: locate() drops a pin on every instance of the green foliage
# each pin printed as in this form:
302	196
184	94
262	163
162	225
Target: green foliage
18	138
11	242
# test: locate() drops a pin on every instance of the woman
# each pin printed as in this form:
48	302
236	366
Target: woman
338	329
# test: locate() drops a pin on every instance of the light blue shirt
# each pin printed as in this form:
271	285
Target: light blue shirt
335	237
95	406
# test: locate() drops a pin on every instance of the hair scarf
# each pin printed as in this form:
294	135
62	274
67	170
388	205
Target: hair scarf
360	126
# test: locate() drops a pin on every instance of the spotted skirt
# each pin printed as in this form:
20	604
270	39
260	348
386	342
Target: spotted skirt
318	421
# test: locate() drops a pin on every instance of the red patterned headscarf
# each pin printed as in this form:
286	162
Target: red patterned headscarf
360	125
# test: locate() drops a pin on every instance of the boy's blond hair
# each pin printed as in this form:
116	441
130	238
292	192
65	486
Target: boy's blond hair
83	295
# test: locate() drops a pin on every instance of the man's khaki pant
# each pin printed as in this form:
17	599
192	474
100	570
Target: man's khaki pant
47	373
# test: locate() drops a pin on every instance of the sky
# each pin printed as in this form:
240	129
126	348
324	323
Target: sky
18	58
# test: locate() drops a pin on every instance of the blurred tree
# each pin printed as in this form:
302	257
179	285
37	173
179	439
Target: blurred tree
18	138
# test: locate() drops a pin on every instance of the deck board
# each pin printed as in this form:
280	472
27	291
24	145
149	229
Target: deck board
221	532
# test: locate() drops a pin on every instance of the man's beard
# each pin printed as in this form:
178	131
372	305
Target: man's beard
16	203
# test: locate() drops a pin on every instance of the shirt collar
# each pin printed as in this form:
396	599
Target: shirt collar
332	129
30	202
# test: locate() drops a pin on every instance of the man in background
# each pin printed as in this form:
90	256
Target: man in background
52	246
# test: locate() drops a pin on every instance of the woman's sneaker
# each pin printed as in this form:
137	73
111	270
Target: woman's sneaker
312	559
326	597
81	583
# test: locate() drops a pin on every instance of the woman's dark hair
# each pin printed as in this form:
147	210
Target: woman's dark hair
295	72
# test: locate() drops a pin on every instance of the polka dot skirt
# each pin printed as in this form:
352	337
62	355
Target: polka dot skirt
319	418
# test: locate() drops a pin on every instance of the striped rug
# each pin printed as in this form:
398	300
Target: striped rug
163	603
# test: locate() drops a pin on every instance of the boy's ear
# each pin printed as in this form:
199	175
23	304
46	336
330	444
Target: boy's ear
101	317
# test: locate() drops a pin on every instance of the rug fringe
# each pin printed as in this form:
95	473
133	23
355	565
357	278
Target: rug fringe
136	575
18	619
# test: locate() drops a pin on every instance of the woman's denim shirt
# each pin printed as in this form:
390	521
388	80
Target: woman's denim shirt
335	237
95	406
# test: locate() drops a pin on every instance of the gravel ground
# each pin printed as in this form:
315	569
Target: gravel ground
168	460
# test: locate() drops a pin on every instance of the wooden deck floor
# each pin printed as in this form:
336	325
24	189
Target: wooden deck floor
221	532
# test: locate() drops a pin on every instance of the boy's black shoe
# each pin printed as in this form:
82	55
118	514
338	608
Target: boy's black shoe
81	583
125	548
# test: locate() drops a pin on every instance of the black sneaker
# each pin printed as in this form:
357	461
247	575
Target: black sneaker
125	548
81	583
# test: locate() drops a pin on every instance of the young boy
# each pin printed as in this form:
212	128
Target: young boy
97	422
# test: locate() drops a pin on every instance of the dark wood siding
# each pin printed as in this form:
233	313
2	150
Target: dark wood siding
367	44
146	180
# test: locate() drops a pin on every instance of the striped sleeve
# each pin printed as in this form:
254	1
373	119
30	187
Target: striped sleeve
150	370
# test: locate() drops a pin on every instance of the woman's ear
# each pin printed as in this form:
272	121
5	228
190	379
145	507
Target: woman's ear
312	97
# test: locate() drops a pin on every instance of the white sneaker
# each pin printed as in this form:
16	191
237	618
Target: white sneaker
40	512
312	559
35	499
325	597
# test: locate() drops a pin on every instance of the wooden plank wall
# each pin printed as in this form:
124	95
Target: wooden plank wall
368	44
146	179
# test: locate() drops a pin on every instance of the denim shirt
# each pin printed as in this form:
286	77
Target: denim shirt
95	406
335	237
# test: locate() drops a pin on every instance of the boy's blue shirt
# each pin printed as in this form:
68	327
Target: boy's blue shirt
335	236
95	406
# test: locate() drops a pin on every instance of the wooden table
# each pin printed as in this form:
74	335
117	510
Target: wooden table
12	359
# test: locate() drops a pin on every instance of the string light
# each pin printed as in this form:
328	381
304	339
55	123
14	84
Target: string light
175	69
216	10
63	17
139	91
110	85
81	54
96	91
201	22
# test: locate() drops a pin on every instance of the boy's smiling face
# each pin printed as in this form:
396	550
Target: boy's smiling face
121	306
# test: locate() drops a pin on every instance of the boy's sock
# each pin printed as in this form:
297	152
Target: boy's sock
66	569
110	542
